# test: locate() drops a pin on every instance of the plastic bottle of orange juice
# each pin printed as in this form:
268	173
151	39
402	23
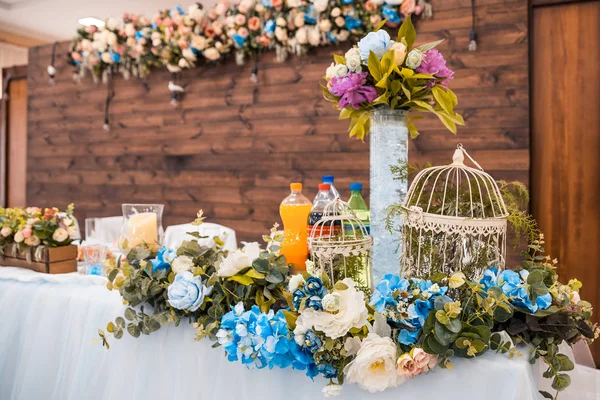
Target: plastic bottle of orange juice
294	211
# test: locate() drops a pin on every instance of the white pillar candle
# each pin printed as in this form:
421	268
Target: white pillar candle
142	228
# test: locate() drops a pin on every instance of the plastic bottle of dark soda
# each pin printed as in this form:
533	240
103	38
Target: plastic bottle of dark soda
324	197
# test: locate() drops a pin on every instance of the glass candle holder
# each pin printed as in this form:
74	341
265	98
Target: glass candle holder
94	257
142	226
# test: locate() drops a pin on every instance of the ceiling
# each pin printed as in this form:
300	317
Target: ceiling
51	20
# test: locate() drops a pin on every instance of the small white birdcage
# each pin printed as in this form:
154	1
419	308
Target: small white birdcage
340	245
455	220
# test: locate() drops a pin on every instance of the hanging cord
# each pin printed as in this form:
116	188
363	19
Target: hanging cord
254	74
473	42
51	70
175	90
110	93
461	148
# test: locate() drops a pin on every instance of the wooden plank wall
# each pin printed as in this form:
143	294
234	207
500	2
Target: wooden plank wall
233	146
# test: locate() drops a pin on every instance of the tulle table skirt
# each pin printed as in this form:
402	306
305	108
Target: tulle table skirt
48	350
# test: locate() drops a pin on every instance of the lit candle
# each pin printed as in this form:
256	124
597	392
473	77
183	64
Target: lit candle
142	228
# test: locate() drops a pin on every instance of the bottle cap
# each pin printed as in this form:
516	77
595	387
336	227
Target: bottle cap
295	186
356	186
324	186
328	179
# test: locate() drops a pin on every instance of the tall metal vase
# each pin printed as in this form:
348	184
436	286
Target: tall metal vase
388	147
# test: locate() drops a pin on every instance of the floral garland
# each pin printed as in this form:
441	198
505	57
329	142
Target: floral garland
180	39
247	302
25	229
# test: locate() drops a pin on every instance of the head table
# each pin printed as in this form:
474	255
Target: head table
48	350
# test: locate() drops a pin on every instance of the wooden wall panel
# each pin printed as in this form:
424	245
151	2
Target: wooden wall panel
233	146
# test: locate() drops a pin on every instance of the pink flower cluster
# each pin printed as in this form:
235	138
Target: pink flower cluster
416	362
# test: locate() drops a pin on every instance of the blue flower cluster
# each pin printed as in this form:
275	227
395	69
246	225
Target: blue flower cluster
262	340
514	285
311	292
407	302
163	259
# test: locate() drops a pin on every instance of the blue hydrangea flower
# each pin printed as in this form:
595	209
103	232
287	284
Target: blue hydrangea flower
297	298
407	337
310	17
490	278
178	9
163	259
314	302
314	286
239	40
311	341
116	57
262	340
390	13
382	296
331	37
352	23
328	371
269	27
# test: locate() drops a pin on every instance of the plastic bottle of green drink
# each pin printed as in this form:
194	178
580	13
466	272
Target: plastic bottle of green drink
358	205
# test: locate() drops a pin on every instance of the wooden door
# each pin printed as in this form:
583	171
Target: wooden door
565	139
13	138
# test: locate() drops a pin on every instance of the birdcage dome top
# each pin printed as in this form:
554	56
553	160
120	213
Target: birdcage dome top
456	191
339	226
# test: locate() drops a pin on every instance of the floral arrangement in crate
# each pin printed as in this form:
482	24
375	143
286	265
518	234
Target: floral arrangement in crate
381	72
180	39
246	302
24	229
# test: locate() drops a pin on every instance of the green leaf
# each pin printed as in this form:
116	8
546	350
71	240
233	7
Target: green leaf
130	314
375	66
535	278
275	277
290	319
412	129
241	279
133	330
546	395
433	346
339	59
442	318
261	265
110	327
564	363
118	333
428	46
443	99
381	24
252	273
120	322
113	274
408	32
442	335
454	325
340	286
561	382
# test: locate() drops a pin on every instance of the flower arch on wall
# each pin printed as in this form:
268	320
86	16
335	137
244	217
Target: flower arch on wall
180	39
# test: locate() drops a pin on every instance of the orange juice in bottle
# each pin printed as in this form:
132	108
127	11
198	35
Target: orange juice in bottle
294	211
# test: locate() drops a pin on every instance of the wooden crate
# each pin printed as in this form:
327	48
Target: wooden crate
57	260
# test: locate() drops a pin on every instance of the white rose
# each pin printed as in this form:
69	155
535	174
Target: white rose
60	235
111	39
72	231
336	12
399	52
189	54
294	3
299	20
340	21
314	36
332	390
343	35
330	73
331	302
340	70
19	237
378	2
352	314
259	8
252	250
353	62
414	59
320	5
295	282
575	298
212	54
156	42
66	221
6	231
107	58
182	264
198	42
32	241
173	68
374	367
281	34
325	25
280	21
129	30
239	259
112	23
301	36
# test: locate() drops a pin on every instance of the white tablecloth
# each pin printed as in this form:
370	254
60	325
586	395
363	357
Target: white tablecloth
47	326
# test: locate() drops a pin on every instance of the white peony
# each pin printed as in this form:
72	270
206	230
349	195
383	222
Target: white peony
73	232
19	237
32	241
352	313
301	36
198	42
320	5
295	282
6	231
182	264
353	62
332	390
374	367
212	54
239	259
60	235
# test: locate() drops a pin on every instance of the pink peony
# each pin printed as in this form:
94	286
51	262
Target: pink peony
352	90
434	64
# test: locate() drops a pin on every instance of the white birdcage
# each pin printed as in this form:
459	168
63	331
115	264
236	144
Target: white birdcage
454	219
340	245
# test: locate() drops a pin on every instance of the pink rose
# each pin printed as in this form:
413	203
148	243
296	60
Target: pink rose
423	360
407	7
243	32
264	41
254	23
407	367
240	19
27	232
276	3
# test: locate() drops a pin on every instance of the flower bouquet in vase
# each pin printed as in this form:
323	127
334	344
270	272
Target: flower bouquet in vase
375	85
